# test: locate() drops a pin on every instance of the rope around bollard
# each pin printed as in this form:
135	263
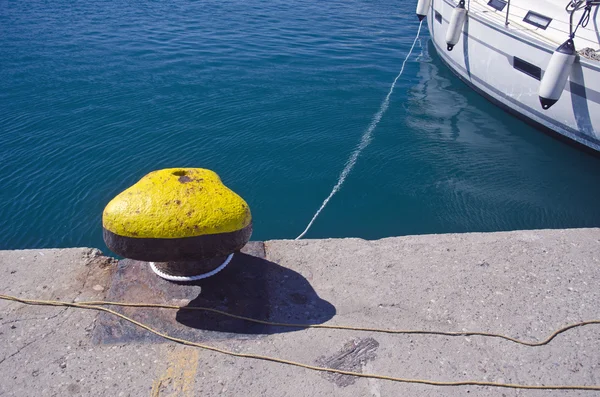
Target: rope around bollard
97	305
190	278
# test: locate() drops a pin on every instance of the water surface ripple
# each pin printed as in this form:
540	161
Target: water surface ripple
273	96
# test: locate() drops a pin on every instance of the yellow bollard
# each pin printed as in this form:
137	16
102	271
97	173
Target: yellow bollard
182	220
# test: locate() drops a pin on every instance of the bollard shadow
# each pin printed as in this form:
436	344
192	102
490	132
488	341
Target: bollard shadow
251	286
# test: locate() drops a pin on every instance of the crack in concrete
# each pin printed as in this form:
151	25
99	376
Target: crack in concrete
34	318
29	343
58	326
18	351
44	336
85	279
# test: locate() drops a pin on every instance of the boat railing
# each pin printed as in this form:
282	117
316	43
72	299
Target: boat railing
579	14
507	13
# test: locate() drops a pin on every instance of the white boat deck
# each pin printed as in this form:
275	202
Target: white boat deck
557	31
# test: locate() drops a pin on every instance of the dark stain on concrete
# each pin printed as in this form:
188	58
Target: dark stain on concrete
249	286
352	357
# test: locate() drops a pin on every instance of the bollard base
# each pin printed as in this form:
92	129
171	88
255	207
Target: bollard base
188	270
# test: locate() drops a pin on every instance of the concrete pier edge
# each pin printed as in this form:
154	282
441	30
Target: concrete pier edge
524	284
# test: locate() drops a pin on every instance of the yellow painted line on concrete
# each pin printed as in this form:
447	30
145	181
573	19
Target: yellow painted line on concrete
180	376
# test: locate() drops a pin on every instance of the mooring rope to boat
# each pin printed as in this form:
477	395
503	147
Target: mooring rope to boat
364	140
97	305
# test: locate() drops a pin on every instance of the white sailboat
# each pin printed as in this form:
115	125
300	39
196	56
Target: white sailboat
538	59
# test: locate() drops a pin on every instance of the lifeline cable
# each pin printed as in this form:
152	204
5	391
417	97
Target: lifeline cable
364	140
94	306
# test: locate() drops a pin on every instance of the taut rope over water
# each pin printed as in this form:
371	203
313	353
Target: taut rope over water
364	140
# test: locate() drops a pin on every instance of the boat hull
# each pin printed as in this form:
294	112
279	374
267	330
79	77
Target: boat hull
508	74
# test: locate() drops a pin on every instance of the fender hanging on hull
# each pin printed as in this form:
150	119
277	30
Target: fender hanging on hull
455	28
422	8
556	74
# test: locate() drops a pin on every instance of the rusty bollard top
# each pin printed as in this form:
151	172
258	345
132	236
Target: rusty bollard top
177	214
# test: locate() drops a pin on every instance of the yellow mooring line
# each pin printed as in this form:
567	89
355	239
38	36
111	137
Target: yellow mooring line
97	305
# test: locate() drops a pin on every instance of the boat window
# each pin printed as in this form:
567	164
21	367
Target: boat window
538	20
497	4
438	17
527	68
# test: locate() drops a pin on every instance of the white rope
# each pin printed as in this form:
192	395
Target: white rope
364	140
190	278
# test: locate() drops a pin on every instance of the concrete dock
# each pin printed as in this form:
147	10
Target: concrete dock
524	284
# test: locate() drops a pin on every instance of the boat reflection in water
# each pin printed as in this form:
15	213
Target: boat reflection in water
482	170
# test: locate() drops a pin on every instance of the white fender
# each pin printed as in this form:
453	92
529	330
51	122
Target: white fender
423	8
455	28
556	74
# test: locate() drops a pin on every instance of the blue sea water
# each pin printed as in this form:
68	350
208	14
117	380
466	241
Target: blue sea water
274	96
